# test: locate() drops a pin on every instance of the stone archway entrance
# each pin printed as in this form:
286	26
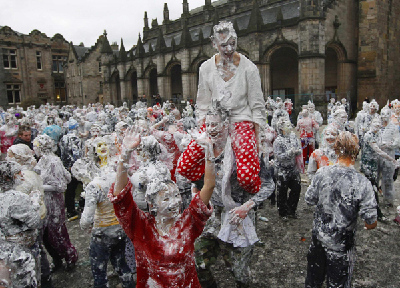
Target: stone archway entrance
176	83
331	73
153	83
284	73
133	87
116	89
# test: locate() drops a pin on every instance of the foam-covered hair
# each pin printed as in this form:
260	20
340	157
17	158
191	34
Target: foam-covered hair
160	182
386	109
72	124
24	153
223	27
8	169
20	263
217	109
44	143
395	102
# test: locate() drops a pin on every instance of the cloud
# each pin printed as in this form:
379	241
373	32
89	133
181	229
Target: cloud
85	20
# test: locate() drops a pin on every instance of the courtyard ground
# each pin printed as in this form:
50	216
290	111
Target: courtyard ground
282	261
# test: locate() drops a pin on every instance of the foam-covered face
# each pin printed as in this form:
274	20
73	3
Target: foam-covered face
332	100
143	128
286	127
373	108
37	151
341	117
168	202
311	108
330	136
18	178
102	149
179	125
95	132
10	119
375	125
50	120
214	126
396	109
226	45
386	114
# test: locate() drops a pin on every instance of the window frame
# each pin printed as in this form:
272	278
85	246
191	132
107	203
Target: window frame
39	61
10	58
13	87
59	61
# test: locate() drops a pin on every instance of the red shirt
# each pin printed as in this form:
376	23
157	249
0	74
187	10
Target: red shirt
167	261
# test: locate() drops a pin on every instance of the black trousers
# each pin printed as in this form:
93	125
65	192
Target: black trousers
336	267
70	195
287	204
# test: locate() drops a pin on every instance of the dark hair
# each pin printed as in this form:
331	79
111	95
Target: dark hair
23	128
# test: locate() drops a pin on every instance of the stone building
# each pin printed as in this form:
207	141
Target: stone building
32	66
84	79
303	48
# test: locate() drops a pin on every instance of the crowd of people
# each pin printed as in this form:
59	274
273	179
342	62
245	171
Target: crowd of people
166	191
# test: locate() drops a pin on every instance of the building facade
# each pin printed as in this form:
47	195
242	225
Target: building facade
83	74
32	67
304	49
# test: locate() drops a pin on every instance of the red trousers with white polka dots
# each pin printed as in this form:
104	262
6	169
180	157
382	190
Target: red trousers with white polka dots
191	164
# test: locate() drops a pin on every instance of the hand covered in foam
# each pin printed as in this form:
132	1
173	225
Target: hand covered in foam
239	213
131	141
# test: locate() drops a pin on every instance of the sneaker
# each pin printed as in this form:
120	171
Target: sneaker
284	218
383	219
260	243
72	216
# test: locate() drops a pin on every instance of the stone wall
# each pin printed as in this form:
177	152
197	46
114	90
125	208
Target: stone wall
34	82
379	53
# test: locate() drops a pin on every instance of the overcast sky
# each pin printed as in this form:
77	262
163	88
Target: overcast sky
84	20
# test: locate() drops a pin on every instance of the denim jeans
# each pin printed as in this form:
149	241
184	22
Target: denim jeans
104	248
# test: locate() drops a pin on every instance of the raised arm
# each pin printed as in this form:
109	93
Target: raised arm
209	173
131	142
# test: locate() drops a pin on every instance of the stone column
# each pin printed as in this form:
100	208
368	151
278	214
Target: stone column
312	55
185	62
312	75
265	75
122	84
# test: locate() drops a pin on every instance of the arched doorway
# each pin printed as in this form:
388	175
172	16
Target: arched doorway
153	83
176	84
284	73
331	73
116	89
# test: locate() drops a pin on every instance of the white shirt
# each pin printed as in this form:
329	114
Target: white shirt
241	94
